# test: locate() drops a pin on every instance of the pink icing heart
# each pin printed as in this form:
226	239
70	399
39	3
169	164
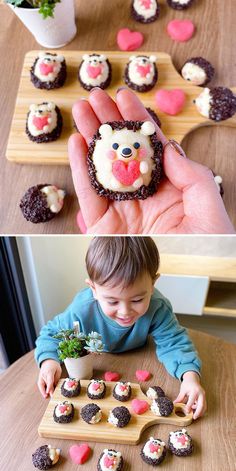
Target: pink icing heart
143	70
40	122
146	4
79	453
93	72
139	406
143	375
170	101
122	387
45	69
129	40
95	386
183	439
153	447
126	173
109	462
180	30
71	384
111	376
62	409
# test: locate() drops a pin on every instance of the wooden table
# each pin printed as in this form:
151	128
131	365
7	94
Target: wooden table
22	408
214	146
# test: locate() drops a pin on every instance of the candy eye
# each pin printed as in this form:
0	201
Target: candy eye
136	145
115	145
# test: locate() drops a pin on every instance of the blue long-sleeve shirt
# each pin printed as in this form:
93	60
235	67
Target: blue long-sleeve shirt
173	346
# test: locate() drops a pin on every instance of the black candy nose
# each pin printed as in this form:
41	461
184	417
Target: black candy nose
126	152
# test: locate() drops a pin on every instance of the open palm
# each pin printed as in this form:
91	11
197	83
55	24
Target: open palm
187	200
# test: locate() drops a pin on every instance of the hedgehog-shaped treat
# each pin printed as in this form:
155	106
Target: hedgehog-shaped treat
110	460
180	4
217	103
141	73
41	203
198	71
145	11
48	71
180	443
45	457
44	122
94	71
154	451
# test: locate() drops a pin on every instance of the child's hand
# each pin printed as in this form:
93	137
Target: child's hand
187	200
50	373
192	393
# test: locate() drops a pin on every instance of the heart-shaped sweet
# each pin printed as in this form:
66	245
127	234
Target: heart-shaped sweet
154	448
71	384
62	409
126	173
123	387
170	101
93	72
143	375
45	69
95	386
111	376
129	40
180	30
39	122
79	453
139	407
143	70
109	462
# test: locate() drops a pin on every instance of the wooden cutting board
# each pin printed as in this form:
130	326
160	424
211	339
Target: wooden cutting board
21	150
104	431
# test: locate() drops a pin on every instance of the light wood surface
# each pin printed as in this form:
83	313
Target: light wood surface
104	431
22	409
98	23
21	150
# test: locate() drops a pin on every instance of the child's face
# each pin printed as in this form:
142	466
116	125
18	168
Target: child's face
124	305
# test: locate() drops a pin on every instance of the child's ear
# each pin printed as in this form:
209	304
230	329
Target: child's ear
92	286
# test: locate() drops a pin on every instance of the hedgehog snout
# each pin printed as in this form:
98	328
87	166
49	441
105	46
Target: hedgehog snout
126	152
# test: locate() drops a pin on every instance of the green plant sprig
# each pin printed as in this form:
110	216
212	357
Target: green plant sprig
78	344
46	7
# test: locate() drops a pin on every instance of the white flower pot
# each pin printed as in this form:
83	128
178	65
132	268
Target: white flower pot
50	32
80	368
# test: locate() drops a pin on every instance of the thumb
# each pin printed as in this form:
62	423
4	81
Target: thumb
50	383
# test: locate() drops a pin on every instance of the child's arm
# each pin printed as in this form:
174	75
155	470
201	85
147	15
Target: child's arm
49	375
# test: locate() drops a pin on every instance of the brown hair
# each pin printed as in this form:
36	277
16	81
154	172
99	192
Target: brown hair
121	259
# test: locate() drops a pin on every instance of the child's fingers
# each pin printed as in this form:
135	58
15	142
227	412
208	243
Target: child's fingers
200	408
103	106
50	383
42	387
192	398
180	398
131	108
85	119
57	376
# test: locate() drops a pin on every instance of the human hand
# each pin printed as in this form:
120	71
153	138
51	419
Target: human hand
187	200
49	375
192	394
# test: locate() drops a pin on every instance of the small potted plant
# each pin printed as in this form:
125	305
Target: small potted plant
76	349
52	22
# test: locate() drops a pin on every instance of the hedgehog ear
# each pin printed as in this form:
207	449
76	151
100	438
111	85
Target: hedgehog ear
41	55
152	58
102	57
184	430
60	58
105	130
51	105
85	57
33	107
132	58
147	128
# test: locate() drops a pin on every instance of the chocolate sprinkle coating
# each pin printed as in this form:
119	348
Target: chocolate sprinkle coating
46	137
223	104
159	391
73	393
102	85
122	414
140	88
144	191
205	65
141	19
57	83
89	411
119	468
34	205
41	458
122	398
97	396
151	461
154	116
64	419
178	6
165	405
184	452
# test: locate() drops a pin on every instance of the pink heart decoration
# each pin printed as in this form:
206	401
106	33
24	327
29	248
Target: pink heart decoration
109	462
143	375
39	122
93	72
126	173
71	384
111	376
143	70
95	386
139	407
62	409
180	30
79	453
129	40
45	69
170	101
123	387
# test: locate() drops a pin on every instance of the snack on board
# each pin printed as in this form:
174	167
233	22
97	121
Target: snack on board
154	392
122	391
48	71
154	451
110	460
94	71
119	416
198	71
44	122
180	4
63	412
162	406
42	202
91	413
180	443
71	387
124	160
141	73
96	389
217	103
145	11
45	457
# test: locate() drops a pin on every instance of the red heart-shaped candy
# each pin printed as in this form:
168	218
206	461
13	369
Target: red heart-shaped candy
111	376
180	30
139	406
79	453
143	375
170	101
93	72
126	173
129	40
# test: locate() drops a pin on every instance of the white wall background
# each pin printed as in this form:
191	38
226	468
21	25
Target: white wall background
54	270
